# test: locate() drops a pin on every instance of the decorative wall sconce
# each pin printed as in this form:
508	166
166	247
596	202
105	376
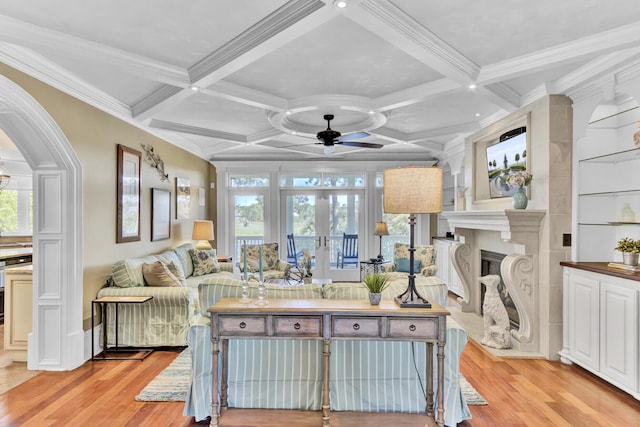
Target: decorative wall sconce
153	160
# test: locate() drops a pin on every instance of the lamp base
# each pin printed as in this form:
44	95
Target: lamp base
203	245
416	303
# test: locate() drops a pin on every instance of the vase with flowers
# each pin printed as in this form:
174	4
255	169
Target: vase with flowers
519	179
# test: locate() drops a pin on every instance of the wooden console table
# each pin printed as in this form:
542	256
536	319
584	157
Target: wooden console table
321	319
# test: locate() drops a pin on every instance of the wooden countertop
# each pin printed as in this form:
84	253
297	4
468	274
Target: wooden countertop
603	268
14	252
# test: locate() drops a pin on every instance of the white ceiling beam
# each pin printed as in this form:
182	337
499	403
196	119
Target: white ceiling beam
71	47
444	131
388	21
618	38
293	19
246	96
195	130
415	95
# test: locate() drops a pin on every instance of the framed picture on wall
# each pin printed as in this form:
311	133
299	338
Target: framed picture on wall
183	198
128	195
160	214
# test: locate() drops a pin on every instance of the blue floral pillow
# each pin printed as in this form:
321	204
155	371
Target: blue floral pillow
204	261
403	265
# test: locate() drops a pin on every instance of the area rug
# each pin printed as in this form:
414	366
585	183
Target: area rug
470	394
172	383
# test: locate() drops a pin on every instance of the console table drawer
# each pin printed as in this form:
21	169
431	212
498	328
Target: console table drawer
356	327
413	328
305	326
242	325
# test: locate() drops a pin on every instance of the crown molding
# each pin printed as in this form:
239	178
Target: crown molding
195	130
596	68
28	35
36	66
156	100
618	38
501	95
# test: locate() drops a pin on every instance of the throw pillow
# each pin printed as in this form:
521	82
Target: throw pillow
204	262
157	274
173	268
403	265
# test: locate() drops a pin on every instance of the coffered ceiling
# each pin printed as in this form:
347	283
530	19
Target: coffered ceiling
252	79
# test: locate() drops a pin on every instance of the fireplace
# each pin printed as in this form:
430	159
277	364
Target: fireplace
516	233
490	264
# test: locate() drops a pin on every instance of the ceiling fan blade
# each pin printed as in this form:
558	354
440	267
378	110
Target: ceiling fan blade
354	135
361	144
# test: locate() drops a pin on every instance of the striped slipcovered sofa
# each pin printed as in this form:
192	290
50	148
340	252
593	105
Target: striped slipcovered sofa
164	320
370	376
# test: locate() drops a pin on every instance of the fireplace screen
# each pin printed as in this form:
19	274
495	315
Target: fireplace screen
490	264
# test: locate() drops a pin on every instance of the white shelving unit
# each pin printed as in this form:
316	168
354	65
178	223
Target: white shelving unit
608	180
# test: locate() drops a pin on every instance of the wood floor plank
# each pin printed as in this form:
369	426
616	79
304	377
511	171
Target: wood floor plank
520	392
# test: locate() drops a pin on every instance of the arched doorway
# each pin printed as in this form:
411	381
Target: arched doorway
57	339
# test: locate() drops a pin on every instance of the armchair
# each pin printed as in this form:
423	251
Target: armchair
425	255
272	267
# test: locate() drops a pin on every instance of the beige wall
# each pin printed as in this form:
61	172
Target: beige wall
94	136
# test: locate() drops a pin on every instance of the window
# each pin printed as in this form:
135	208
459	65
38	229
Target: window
248	180
16	212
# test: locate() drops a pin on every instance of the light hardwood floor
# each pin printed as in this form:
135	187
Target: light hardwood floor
520	392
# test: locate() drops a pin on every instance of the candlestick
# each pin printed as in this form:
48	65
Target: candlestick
245	261
261	263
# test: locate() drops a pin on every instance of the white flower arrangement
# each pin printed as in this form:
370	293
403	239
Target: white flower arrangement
519	178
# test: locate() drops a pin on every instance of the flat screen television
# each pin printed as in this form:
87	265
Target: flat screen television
506	155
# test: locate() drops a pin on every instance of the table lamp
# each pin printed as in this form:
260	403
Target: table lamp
412	190
203	232
381	230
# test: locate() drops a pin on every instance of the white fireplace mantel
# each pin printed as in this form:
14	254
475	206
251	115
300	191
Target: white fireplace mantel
510	223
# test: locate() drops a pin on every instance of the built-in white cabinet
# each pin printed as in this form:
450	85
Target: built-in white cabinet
608	187
18	285
446	272
601	319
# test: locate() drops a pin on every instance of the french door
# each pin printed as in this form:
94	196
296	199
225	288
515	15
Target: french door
318	220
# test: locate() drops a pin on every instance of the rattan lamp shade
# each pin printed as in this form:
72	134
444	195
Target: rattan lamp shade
413	190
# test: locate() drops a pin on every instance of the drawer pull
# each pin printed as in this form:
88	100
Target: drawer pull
412	327
243	325
296	326
356	326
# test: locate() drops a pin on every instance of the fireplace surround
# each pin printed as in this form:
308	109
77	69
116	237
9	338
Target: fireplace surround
516	234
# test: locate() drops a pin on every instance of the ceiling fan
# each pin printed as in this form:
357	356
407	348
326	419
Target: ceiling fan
330	138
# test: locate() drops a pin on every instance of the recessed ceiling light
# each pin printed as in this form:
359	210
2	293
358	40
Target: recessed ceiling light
194	88
372	112
477	114
288	113
340	3
472	86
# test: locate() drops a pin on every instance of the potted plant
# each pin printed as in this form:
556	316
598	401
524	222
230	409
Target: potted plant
376	283
630	249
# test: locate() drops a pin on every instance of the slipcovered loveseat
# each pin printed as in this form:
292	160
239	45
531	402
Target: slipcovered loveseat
365	375
164	320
